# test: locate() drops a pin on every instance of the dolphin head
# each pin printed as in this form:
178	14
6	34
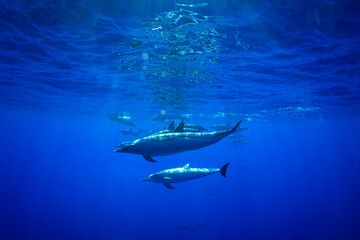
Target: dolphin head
127	147
156	177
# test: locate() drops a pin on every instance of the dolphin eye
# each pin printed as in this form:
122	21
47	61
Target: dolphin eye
155	175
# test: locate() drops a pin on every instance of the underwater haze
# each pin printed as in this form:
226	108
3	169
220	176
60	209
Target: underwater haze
78	78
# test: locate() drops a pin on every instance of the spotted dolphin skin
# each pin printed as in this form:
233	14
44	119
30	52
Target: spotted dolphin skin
173	142
176	175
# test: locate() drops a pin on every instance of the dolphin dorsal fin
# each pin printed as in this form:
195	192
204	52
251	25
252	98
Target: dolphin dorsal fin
187	166
171	126
180	127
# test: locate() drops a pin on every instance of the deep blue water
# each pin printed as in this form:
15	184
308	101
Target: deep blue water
288	69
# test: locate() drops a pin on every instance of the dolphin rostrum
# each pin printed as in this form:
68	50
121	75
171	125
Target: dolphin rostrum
173	142
176	175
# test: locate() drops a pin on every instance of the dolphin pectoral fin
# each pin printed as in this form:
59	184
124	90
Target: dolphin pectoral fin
148	158
168	186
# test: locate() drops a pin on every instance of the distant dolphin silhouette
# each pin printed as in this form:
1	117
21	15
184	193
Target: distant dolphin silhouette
223	127
202	225
186	227
120	119
128	132
171	143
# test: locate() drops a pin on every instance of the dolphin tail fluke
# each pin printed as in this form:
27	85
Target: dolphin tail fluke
234	128
168	186
148	158
223	169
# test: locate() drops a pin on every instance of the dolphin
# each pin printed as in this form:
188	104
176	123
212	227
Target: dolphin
142	131
240	141
186	227
128	132
193	126
121	119
221	127
191	130
202	225
176	175
173	142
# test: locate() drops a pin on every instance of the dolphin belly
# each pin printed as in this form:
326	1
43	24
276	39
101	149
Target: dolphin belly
176	177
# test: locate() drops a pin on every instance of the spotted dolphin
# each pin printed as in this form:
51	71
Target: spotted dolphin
121	119
176	175
173	142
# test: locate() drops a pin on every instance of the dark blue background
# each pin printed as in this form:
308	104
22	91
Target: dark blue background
297	90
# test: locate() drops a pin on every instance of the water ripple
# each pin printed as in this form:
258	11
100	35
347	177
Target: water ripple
247	58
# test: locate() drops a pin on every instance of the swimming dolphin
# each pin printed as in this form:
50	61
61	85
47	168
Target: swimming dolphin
191	130
221	127
121	119
186	227
239	141
193	126
171	143
202	225
176	175
128	132
141	131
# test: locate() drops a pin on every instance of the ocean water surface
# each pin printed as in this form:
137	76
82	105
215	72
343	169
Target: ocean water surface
78	78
